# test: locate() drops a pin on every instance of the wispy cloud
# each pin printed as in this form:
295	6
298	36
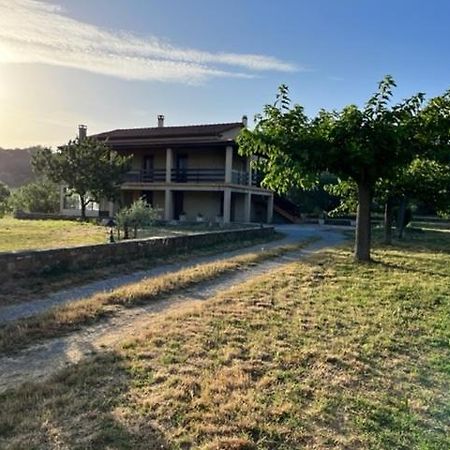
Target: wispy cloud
32	31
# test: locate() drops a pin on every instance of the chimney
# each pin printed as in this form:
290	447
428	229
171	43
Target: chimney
160	120
245	121
82	132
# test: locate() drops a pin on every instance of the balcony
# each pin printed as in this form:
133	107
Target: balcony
189	176
146	176
198	176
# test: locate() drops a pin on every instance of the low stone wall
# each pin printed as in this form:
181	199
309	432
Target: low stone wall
35	262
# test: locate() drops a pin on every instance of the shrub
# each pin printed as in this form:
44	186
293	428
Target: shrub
40	196
139	215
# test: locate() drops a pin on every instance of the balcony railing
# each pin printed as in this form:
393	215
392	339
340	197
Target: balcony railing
239	177
146	176
198	175
190	176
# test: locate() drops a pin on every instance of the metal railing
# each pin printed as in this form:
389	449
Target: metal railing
239	177
145	176
198	175
190	176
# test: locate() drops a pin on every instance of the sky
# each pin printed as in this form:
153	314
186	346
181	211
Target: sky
119	63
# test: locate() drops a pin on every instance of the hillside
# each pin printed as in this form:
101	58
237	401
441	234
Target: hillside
15	166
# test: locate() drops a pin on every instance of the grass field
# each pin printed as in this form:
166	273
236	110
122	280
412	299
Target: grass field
42	234
38	234
70	317
324	354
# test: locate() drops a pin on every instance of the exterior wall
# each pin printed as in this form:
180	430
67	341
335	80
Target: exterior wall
158	201
39	262
77	212
204	158
238	201
259	209
159	158
205	203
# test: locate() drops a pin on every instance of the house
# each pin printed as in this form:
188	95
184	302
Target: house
187	172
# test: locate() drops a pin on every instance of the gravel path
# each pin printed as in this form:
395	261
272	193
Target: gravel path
40	361
293	233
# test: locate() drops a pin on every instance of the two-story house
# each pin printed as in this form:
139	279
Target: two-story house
189	172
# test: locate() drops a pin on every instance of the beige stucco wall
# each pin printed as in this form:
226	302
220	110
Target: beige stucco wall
159	158
205	203
238	201
158	202
204	158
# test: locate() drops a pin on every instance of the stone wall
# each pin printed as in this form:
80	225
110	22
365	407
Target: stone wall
35	262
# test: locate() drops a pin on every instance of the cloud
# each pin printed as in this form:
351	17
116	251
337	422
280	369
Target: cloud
33	31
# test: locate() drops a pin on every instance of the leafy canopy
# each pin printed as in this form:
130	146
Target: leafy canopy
89	168
359	144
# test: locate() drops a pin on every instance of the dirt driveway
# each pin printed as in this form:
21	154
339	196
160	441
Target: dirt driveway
42	360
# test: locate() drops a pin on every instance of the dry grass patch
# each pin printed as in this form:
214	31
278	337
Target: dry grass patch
23	289
67	318
322	354
18	234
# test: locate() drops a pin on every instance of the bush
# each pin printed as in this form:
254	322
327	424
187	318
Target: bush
5	193
40	196
138	215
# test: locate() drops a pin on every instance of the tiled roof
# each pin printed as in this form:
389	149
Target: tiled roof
169	132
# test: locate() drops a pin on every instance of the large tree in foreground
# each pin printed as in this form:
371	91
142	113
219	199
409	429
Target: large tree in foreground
363	145
87	166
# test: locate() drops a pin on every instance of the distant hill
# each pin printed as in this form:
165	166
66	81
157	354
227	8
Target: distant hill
15	166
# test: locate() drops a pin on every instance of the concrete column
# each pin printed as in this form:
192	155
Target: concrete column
228	164
111	209
168	205
270	209
226	205
248	207
169	164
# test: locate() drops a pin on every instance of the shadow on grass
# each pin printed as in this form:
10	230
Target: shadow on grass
80	407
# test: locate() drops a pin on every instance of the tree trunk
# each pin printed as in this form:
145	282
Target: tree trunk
83	207
401	217
388	217
363	232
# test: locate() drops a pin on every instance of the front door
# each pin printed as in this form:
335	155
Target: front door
181	168
147	168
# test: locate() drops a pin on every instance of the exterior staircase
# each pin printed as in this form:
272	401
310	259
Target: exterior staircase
286	209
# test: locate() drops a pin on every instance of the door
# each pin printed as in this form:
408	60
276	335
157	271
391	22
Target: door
148	197
147	168
181	168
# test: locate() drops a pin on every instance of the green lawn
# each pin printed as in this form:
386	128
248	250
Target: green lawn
324	354
38	234
42	234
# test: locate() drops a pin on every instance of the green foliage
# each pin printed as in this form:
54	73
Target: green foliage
40	196
88	167
359	145
4	196
138	215
316	198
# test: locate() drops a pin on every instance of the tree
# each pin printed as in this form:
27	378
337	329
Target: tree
138	215
423	180
4	196
87	166
39	196
362	145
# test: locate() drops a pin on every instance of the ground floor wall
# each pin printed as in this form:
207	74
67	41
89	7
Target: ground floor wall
214	205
